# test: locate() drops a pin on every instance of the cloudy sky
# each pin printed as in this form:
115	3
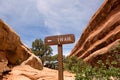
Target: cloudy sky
34	19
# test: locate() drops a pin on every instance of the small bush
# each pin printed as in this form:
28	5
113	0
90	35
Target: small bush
110	68
84	71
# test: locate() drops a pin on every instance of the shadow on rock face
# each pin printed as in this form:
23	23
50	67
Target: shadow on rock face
13	52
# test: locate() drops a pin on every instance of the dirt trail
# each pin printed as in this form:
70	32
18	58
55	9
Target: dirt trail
49	74
28	73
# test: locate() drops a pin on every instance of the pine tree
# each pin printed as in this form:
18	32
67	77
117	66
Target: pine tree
41	50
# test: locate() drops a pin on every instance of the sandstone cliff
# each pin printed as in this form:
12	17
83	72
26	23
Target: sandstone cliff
13	52
101	35
17	62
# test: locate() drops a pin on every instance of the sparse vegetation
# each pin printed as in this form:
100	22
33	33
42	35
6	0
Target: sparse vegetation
109	70
84	71
53	63
105	71
41	50
44	52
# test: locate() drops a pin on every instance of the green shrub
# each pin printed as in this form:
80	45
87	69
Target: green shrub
84	71
106	69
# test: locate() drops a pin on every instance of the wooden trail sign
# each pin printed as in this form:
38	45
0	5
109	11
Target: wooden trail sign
59	40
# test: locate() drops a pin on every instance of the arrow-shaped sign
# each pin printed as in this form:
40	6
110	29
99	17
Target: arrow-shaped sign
60	39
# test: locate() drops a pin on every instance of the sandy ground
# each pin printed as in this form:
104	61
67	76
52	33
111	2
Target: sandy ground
28	73
49	74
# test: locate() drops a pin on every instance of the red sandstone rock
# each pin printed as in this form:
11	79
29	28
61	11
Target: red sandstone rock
25	65
28	73
101	34
13	52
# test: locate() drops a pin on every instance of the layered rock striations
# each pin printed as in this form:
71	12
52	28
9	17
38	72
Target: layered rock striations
13	52
101	35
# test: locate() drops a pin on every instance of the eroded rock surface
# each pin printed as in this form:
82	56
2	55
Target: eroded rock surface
102	33
28	73
13	52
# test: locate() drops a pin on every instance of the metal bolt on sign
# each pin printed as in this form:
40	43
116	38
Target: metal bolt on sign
59	40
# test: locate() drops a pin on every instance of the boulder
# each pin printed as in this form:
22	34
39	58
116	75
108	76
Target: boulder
101	34
13	52
23	72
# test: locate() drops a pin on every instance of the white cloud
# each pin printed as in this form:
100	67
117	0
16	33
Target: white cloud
62	15
33	19
66	49
20	12
67	16
23	17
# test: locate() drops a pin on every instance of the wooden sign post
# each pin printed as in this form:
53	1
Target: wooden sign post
59	40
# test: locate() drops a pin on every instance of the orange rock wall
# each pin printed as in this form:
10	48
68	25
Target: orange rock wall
13	52
102	32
